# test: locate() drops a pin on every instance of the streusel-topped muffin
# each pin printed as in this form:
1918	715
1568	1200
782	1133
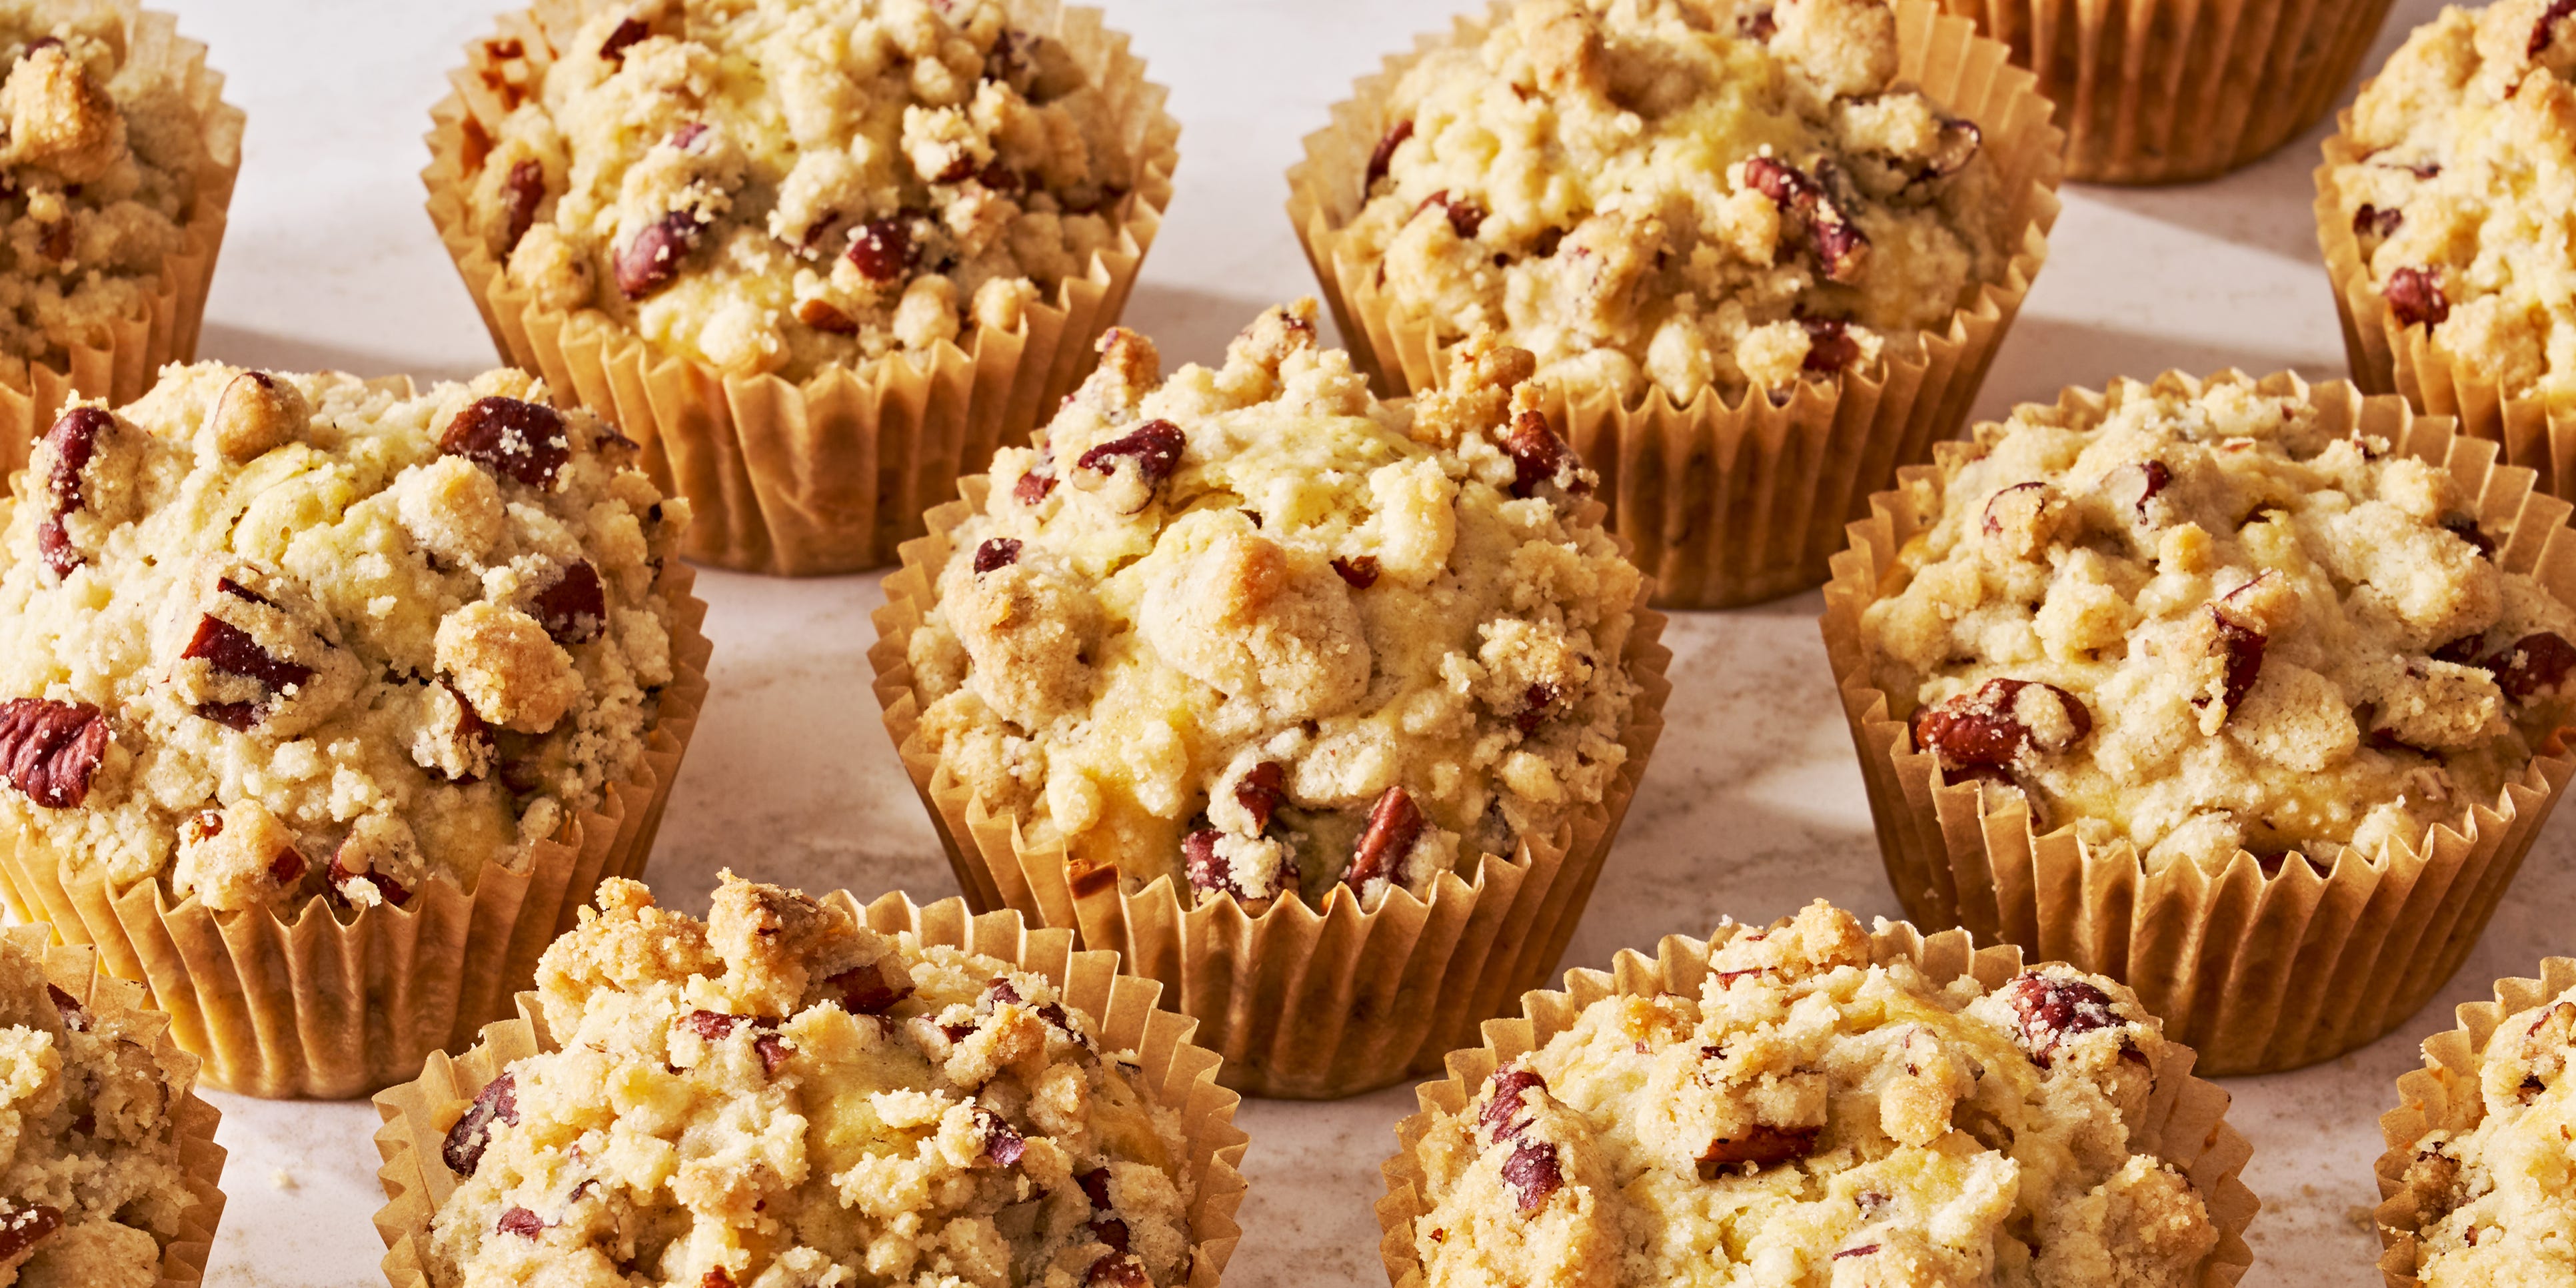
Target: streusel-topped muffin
92	1187
779	1094
2197	622
1254	630
781	187
268	636
1812	1117
1677	194
2493	1195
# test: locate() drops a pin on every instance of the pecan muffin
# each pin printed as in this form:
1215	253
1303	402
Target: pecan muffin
1815	1115
2487	1178
1255	631
779	1094
2197	620
1681	194
268	637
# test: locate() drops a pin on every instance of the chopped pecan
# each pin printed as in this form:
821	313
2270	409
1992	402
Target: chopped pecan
1000	178
1155	446
75	1016
1536	452
1111	1232
628	33
1757	24
521	1222
1984	728
339	876
1839	245
23	1226
999	552
1358	571
882	249
1033	486
1956	144
472	1134
1533	1174
2242	646
712	1026
1118	1270
1260	791
651	258
2371	221
1501	1116
73	439
523	440
1383	154
1830	346
1207	870
1395	823
1538	702
821	315
872	989
522	191
2537	663
1465	215
2154	475
1002	1142
2054	1009
1762	1145
2466	529
2415	297
574	610
2543	31
1862	1251
773	1051
49	750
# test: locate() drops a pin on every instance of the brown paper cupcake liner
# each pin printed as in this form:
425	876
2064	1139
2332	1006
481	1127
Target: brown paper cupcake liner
2185	1122
2444	1094
1176	1073
122	363
2170	91
310	1005
830	475
1727	505
2260	973
1301	1003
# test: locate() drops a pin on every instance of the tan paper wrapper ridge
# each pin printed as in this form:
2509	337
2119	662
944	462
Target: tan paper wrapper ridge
2185	1123
121	367
1175	1072
2259	973
1728	505
321	1008
829	476
1300	1003
2444	1094
74	970
2170	91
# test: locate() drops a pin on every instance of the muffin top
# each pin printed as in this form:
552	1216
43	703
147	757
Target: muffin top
2497	1196
1679	194
267	636
2466	139
780	1091
1256	631
786	185
2198	621
91	1183
99	172
1812	1117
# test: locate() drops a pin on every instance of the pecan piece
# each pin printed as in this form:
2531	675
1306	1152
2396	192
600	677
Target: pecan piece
49	749
1118	1270
1260	791
2371	221
340	876
75	1016
1033	486
1763	1145
472	1134
822	316
1840	247
232	650
872	989
712	1026
2243	647
574	610
1985	728
2155	475
1957	144
522	191
1538	702
1830	346
1359	572
2415	297
1464	214
1155	446
1537	453
1533	1174
1395	823
2537	663
73	439
2544	31
1503	1105
1003	1143
508	436
2466	529
651	258
1757	24
882	249
521	1222
999	552
1862	1251
628	33
2054	1009
773	1051
22	1228
1383	154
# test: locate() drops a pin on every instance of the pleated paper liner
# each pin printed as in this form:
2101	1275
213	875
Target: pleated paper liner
830	475
120	364
123	1007
2260	973
1175	1073
2184	1123
1728	505
2171	91
314	1006
1301	1003
2444	1094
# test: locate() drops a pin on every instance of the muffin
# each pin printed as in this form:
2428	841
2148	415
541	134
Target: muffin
118	166
2173	91
813	256
1810	1102
796	1085
2436	213
2477	1151
1713	223
2210	634
109	1167
1248	643
268	641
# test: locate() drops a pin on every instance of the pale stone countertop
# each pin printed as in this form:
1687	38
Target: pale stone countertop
1752	807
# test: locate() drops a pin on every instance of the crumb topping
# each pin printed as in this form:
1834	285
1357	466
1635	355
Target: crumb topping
2497	1191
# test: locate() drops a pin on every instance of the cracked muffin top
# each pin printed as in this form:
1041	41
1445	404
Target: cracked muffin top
1679	194
783	186
267	636
1813	1119
99	173
2496	1193
780	1095
91	1183
2196	622
1258	632
2467	139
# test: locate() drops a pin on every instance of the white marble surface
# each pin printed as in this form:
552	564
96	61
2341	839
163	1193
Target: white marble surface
1752	805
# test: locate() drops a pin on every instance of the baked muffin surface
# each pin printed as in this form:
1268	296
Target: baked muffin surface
783	186
1814	1119
758	1098
2497	1193
2195	623
1254	630
1679	194
263	637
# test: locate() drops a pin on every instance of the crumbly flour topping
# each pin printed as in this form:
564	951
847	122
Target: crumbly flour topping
2496	1193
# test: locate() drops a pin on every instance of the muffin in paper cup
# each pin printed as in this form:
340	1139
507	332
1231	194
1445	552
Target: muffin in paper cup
2446	1099
1176	1073
342	975
1730	496
91	999
2182	1122
2260	963
122	347
830	472
2172	91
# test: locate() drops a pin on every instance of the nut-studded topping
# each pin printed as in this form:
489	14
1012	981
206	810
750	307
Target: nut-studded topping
472	1134
1992	726
1533	1174
1537	453
2415	298
998	552
72	439
1003	1143
2054	1009
232	650
523	189
1395	823
2371	221
574	610
1384	154
23	1226
651	258
1359	572
1839	247
882	249
1762	1145
1207	870
521	440
1260	792
628	33
49	749
1465	215
2536	665
1501	1118
872	989
343	879
2153	476
1154	446
2242	647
